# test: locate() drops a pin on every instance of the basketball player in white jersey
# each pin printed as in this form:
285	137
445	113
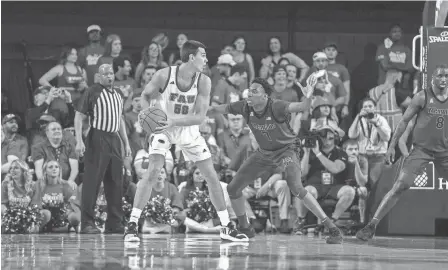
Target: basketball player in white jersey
183	93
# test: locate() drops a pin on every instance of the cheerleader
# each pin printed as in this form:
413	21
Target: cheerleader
18	190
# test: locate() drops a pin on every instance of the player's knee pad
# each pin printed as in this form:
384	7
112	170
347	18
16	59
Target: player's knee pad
302	193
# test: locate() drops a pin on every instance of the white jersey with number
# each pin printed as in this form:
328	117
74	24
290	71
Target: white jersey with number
178	104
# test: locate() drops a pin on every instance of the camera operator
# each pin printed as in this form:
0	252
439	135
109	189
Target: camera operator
324	173
372	131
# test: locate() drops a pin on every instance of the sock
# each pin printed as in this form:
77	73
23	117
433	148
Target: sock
224	217
374	221
135	215
243	221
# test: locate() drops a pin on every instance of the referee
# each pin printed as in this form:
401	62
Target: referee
103	160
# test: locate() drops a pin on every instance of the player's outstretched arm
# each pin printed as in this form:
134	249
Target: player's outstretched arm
416	105
200	106
305	104
152	89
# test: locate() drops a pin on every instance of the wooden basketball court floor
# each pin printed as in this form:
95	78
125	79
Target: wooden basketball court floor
199	251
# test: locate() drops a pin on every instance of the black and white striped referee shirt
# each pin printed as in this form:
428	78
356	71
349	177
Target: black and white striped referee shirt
104	106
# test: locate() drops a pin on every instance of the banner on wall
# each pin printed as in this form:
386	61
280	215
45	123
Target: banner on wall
435	53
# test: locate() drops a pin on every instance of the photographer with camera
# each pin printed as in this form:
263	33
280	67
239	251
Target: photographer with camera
372	131
324	173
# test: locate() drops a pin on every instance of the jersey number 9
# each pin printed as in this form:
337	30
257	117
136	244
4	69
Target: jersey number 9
179	108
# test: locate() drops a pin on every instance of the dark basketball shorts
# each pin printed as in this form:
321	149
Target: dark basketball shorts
418	158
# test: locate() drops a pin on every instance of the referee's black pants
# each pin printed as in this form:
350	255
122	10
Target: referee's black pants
102	162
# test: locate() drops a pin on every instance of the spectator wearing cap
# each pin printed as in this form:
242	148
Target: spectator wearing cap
275	53
133	128
321	115
243	59
14	145
324	173
222	69
58	149
88	56
228	89
70	76
122	69
393	54
336	69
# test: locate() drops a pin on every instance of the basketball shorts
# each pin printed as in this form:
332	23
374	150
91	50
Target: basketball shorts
418	158
188	139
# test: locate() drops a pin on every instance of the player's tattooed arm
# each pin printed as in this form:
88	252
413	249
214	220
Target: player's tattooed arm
152	89
201	105
416	105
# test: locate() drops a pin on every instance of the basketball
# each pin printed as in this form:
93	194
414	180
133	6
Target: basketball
149	119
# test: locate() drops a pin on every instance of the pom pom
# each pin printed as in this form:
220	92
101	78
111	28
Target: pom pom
201	207
21	219
158	210
58	212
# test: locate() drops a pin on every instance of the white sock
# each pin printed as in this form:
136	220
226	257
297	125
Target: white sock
224	217
135	215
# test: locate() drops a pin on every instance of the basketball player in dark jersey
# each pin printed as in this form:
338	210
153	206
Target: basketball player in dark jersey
269	121
430	143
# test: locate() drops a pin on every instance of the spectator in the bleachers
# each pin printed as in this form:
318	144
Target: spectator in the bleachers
275	53
134	130
222	69
292	81
174	59
320	116
324	174
275	187
373	133
244	60
14	145
39	133
112	49
219	159
122	69
88	56
70	76
146	77
151	55
357	172
281	90
18	187
234	137
53	192
393	54
56	148
390	98
228	88
329	85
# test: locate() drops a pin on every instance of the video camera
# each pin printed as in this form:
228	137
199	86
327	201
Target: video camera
311	138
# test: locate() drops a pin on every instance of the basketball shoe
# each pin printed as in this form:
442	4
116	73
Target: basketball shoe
366	233
229	233
131	233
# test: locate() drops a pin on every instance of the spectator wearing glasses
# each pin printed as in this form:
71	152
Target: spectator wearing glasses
324	171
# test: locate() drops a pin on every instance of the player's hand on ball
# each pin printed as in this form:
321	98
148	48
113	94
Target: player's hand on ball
390	155
164	125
